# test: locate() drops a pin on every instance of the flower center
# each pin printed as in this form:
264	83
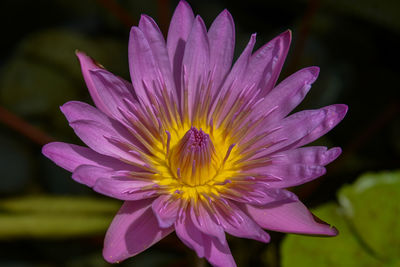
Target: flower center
193	158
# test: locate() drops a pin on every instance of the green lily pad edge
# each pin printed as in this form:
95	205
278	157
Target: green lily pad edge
367	219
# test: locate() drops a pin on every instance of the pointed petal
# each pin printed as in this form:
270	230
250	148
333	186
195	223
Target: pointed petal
133	230
222	45
292	217
335	113
263	194
189	234
166	210
93	128
286	95
143	67
291	174
112	91
125	188
203	221
288	132
69	157
159	50
195	65
241	225
266	63
76	110
87	64
217	253
315	155
179	30
232	85
89	174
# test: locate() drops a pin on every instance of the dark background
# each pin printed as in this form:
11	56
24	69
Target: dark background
355	43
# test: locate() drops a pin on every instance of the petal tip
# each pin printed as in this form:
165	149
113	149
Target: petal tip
47	149
226	14
287	35
183	7
86	61
79	53
314	70
342	109
109	257
334	153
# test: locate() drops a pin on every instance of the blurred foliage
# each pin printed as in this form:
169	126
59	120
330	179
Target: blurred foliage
367	219
43	73
55	217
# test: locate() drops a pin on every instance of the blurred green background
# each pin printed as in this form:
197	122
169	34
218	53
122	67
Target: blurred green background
46	219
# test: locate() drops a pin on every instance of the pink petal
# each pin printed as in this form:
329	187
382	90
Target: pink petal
112	91
241	225
291	174
195	64
292	217
222	45
281	48
166	209
97	136
335	113
179	30
287	95
266	63
315	155
125	188
262	194
189	234
94	128
143	67
88	64
76	110
159	50
202	220
232	85
287	133
133	230
69	157
89	174
217	253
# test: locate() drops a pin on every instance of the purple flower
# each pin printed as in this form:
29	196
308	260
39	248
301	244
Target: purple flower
195	145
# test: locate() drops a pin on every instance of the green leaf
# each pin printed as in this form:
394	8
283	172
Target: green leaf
367	219
342	250
55	217
372	205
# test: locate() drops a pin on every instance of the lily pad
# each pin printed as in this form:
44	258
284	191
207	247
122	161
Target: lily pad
342	250
372	205
367	219
55	217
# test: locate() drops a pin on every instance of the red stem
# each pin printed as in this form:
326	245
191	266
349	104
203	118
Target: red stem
21	126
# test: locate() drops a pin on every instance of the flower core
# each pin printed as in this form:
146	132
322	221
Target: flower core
196	162
194	158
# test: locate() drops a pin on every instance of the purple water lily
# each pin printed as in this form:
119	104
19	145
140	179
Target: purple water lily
195	145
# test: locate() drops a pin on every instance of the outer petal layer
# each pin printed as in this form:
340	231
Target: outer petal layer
70	156
222	45
179	30
291	217
217	253
133	230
